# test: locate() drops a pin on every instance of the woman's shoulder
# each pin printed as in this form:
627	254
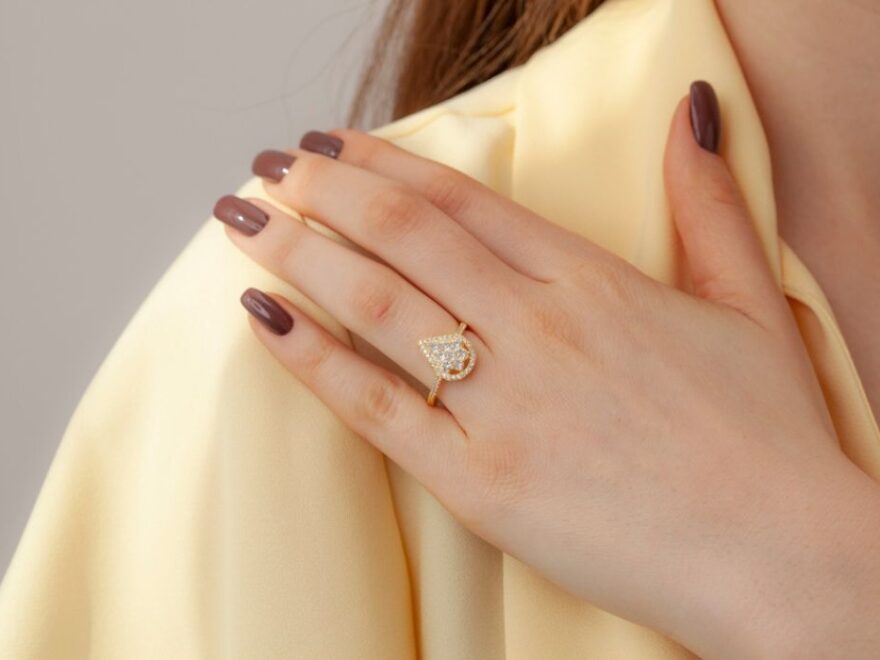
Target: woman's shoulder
604	45
577	133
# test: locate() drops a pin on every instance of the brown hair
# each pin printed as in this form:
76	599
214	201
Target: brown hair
430	50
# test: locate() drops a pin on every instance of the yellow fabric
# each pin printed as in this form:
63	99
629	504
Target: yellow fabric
204	504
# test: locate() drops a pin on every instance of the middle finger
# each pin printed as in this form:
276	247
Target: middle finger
400	226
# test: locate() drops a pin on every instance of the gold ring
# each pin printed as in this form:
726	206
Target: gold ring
452	357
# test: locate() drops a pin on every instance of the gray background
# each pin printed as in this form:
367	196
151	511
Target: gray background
121	122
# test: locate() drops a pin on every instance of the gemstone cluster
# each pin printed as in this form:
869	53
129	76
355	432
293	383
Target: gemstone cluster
451	356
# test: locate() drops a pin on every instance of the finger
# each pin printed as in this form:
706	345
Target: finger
726	259
375	403
523	239
367	297
400	226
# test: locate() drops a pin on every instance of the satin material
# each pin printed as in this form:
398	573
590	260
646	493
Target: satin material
204	504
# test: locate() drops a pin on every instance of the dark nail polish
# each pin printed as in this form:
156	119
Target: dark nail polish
321	143
272	164
244	216
267	311
705	116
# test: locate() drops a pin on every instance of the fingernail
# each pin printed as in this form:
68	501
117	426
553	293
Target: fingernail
267	311
272	164
321	143
705	116
244	216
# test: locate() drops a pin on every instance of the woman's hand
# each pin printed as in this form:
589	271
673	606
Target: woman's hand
665	455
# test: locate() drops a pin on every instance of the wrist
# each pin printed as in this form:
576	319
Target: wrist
833	594
807	582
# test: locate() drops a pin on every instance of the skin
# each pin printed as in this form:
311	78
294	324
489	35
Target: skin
814	63
617	434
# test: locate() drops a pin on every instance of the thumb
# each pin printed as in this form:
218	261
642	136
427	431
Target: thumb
725	257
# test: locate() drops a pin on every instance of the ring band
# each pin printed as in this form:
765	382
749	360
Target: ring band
452	357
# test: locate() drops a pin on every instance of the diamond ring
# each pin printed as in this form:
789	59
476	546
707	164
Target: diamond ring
452	357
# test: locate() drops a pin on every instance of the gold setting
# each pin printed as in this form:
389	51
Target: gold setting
452	357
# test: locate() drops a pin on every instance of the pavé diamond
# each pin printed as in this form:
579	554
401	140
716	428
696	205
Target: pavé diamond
451	356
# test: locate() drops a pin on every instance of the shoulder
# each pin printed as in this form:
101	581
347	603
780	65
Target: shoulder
577	134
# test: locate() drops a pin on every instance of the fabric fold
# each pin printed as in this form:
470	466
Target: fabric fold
205	504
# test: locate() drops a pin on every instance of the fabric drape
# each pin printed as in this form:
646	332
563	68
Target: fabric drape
203	503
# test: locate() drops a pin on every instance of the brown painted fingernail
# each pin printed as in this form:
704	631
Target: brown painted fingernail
267	311
242	215
321	143
705	116
272	164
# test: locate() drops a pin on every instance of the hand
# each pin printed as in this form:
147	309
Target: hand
666	455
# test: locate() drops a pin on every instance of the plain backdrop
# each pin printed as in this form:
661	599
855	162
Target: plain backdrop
121	122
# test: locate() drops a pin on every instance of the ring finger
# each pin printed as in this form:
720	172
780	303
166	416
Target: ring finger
367	297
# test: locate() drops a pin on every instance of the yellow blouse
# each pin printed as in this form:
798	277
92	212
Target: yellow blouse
204	504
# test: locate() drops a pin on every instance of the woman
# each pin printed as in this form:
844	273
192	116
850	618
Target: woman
653	441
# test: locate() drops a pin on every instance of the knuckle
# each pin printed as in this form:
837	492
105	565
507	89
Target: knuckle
379	403
722	190
393	212
448	191
611	279
310	363
717	288
374	301
499	478
556	324
288	250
